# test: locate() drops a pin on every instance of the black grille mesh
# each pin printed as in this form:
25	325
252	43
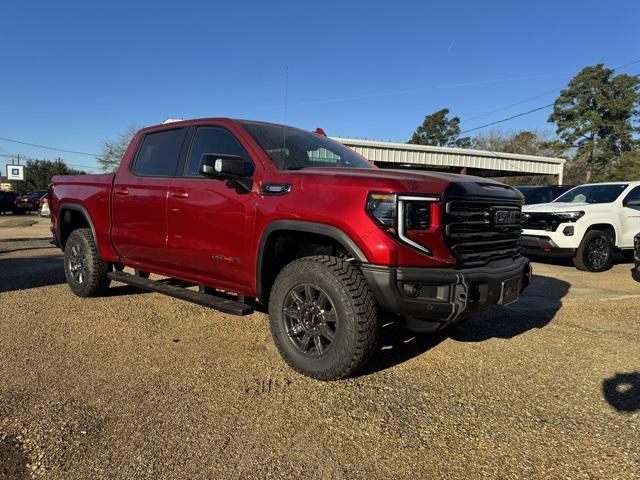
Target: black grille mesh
472	233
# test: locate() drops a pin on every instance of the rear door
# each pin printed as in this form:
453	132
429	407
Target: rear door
630	218
139	205
211	220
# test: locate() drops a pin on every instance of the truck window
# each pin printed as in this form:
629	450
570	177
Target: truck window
159	153
633	195
293	149
211	140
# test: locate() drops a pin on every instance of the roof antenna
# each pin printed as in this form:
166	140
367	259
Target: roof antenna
284	130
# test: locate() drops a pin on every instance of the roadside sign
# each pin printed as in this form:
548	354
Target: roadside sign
15	172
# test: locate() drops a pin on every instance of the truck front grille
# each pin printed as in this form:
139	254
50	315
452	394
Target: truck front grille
540	221
480	230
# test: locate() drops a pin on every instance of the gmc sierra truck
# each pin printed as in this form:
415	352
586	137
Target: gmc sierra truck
257	214
588	223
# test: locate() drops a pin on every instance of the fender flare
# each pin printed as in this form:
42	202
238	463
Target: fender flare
83	211
605	221
308	227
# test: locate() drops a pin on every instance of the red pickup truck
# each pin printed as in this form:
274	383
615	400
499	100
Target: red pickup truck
256	214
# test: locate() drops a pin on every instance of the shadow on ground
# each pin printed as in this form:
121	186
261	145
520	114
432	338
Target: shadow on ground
23	273
618	259
622	391
13	461
536	307
30	272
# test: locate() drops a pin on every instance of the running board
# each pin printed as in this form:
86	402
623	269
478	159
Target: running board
205	299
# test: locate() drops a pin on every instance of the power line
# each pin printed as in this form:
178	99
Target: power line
507	119
528	99
47	147
506	107
18	156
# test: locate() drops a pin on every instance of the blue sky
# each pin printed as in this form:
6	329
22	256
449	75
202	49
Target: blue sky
75	73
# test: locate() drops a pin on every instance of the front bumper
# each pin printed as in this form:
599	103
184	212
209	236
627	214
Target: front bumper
444	296
544	245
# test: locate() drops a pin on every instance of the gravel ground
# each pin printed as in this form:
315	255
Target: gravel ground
137	385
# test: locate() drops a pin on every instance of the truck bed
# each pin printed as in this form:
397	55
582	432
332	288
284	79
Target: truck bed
89	193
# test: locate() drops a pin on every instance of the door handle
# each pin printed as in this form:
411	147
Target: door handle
121	191
180	194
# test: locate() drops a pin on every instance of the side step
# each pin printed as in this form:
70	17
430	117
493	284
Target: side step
213	301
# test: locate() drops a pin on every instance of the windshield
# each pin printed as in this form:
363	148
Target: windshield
593	194
534	195
295	149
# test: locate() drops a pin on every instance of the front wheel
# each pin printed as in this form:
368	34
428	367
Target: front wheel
595	253
86	273
323	317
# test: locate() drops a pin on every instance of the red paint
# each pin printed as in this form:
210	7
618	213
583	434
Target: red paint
202	230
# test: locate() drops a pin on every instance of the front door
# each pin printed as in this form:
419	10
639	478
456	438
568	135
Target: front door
139	205
210	220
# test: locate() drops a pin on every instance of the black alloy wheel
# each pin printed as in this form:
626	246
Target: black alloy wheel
311	320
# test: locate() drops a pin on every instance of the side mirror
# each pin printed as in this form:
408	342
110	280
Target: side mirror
223	166
632	203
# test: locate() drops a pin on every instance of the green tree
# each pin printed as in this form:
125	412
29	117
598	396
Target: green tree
39	173
440	131
112	150
523	142
596	115
625	168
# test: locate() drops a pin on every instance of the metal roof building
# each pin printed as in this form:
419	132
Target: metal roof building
473	162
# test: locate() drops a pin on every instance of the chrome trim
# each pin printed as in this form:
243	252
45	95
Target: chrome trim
401	220
418	198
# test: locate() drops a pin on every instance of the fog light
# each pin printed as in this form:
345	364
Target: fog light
568	230
411	290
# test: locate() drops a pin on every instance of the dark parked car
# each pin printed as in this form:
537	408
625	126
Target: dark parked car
534	194
31	202
7	202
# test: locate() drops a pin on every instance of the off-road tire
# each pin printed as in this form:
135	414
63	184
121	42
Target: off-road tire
357	328
582	260
94	280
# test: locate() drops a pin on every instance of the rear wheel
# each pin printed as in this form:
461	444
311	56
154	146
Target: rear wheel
595	253
86	273
323	317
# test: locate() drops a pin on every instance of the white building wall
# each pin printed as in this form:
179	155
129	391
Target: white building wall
402	153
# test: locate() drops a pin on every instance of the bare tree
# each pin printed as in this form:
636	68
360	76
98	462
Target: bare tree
112	150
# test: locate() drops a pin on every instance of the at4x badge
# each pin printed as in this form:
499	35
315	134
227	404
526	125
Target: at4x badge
223	258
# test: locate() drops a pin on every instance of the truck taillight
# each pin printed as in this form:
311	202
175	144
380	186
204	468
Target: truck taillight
50	195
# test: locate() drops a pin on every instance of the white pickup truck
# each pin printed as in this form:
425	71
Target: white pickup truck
588	223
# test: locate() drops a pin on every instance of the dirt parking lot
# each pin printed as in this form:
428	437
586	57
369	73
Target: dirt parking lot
137	385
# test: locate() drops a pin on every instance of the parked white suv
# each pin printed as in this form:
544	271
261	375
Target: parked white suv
587	223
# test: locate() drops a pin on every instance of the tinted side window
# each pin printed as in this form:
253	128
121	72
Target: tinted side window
158	155
633	195
211	140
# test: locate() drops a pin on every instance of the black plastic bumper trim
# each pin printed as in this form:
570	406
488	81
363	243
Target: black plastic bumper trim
471	290
536	245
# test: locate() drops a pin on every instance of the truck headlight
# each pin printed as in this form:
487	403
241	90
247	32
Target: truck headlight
382	207
407	217
568	216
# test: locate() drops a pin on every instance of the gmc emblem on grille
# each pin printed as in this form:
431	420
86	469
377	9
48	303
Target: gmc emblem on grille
506	218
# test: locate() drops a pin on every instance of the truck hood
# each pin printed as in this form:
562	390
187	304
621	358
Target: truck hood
566	207
408	181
